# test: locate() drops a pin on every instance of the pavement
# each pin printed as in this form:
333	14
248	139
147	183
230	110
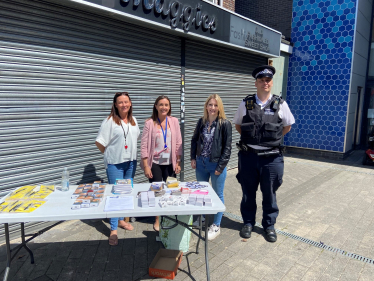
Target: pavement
325	225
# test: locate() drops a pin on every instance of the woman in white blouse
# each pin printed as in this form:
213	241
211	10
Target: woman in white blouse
117	139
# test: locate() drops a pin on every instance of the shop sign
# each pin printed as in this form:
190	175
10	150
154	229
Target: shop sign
253	36
182	13
201	18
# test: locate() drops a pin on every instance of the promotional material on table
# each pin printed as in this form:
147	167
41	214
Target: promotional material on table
157	186
31	192
180	195
147	199
123	186
88	195
172	182
20	206
194	185
119	203
26	199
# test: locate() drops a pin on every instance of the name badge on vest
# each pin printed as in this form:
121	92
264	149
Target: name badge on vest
268	111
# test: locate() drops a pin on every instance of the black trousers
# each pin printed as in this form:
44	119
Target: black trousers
266	171
161	172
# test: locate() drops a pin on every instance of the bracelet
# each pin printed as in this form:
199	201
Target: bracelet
178	160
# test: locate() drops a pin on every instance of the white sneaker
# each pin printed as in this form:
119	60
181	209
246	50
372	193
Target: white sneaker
213	231
196	223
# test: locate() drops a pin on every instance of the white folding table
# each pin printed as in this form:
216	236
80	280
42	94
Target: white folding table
58	208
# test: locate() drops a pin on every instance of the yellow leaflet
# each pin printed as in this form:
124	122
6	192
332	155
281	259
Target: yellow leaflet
173	185
21	192
27	192
10	206
6	205
29	206
44	191
47	188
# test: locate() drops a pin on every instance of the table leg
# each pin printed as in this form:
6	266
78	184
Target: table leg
6	273
24	243
200	228
206	248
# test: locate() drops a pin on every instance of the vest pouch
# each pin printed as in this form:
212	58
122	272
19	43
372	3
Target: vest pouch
272	132
248	131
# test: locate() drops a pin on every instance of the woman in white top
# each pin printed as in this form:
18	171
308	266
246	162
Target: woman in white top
117	139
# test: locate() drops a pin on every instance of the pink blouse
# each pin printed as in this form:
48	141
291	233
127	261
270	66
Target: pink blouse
148	143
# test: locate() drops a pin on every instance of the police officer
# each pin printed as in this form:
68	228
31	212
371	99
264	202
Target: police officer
262	119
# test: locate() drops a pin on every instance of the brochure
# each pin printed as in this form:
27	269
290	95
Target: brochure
119	203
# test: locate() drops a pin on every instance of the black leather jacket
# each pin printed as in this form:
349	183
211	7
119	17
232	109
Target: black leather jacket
221	147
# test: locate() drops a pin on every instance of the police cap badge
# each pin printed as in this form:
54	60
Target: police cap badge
263	71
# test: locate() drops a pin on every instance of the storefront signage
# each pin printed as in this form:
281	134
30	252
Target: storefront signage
254	36
185	14
200	18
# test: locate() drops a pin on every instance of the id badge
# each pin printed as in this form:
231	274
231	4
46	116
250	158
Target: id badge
165	155
127	153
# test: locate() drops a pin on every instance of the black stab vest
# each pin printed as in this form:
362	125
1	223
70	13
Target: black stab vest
262	126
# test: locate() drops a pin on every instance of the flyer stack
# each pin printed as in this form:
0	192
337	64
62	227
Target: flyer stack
124	186
88	195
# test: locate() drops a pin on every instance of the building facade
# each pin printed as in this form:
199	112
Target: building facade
276	14
329	86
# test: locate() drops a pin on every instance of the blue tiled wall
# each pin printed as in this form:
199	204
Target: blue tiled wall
319	72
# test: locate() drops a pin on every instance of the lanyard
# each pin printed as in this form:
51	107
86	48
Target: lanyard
166	130
125	135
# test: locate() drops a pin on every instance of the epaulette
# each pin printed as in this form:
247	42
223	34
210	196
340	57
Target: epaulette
250	100
249	97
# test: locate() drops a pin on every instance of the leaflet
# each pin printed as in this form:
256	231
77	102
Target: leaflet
119	203
20	206
31	192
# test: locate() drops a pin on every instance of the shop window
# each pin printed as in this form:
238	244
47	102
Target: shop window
217	2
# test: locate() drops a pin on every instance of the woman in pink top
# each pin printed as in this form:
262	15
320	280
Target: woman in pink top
161	146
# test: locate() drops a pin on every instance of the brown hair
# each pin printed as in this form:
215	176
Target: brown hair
221	111
114	112
154	116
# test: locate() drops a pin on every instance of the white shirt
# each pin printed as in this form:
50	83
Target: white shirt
284	112
111	136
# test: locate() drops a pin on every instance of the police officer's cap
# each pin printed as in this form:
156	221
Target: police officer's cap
263	71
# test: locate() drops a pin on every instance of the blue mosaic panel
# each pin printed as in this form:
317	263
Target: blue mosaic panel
319	72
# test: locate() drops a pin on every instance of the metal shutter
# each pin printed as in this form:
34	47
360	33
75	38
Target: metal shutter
60	68
215	70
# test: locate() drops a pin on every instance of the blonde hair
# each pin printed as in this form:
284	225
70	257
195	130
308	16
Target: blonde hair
221	111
